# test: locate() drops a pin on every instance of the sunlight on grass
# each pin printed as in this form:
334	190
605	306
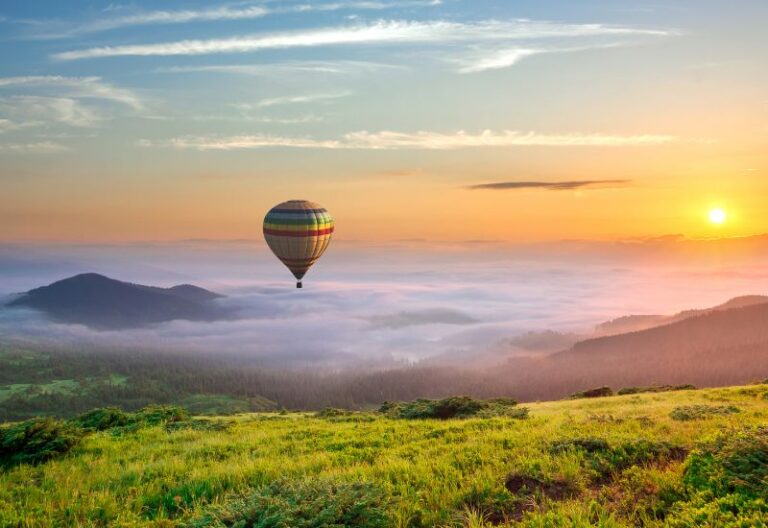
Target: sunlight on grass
425	472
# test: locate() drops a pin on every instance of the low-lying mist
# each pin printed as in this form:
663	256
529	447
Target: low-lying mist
387	304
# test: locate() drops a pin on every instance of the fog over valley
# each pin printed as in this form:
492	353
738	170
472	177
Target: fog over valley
471	302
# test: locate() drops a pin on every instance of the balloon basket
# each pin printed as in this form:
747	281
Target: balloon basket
298	284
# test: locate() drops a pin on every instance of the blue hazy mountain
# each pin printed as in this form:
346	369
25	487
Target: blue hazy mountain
101	302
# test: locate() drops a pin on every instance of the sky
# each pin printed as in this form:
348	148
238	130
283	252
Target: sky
450	120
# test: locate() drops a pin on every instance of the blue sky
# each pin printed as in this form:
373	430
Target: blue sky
137	100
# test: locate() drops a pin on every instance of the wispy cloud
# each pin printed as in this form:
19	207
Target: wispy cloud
489	138
363	5
247	117
85	87
389	140
302	67
552	186
174	17
43	147
52	30
6	125
381	32
498	59
301	99
240	143
241	11
34	109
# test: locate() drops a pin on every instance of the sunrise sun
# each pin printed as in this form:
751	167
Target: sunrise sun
717	216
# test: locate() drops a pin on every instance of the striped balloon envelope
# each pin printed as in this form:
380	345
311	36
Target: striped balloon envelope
298	232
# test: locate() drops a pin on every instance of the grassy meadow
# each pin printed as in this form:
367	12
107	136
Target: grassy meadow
683	458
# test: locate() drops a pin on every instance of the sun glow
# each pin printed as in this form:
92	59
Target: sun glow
717	216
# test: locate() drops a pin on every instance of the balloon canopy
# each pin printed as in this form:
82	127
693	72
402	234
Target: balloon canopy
298	232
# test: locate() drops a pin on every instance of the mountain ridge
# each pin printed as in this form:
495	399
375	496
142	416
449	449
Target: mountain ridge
101	302
633	323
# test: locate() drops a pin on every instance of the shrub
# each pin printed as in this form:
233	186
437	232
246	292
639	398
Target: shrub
700	412
102	419
316	503
605	459
634	453
598	392
119	421
331	412
199	425
733	463
589	445
655	388
36	441
453	407
157	414
727	482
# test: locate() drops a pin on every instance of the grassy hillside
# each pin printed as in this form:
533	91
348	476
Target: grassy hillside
685	458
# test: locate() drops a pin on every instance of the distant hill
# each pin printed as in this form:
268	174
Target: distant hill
634	323
710	329
548	341
543	342
100	302
720	346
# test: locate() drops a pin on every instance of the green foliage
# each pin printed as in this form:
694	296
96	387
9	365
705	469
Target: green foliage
655	388
613	462
331	412
111	418
157	414
454	407
599	392
102	419
606	460
217	404
312	503
36	441
198	425
727	482
700	412
735	462
588	445
41	439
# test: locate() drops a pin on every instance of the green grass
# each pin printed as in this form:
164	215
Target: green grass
65	386
215	404
610	462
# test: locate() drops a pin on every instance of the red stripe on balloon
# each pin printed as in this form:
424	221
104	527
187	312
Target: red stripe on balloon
315	232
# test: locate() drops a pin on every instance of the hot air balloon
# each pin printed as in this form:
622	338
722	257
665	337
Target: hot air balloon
297	232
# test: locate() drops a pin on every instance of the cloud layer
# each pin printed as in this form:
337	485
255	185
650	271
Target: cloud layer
407	302
390	140
381	32
240	11
80	87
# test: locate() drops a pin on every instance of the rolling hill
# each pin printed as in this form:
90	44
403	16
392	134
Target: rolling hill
633	323
100	302
714	347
